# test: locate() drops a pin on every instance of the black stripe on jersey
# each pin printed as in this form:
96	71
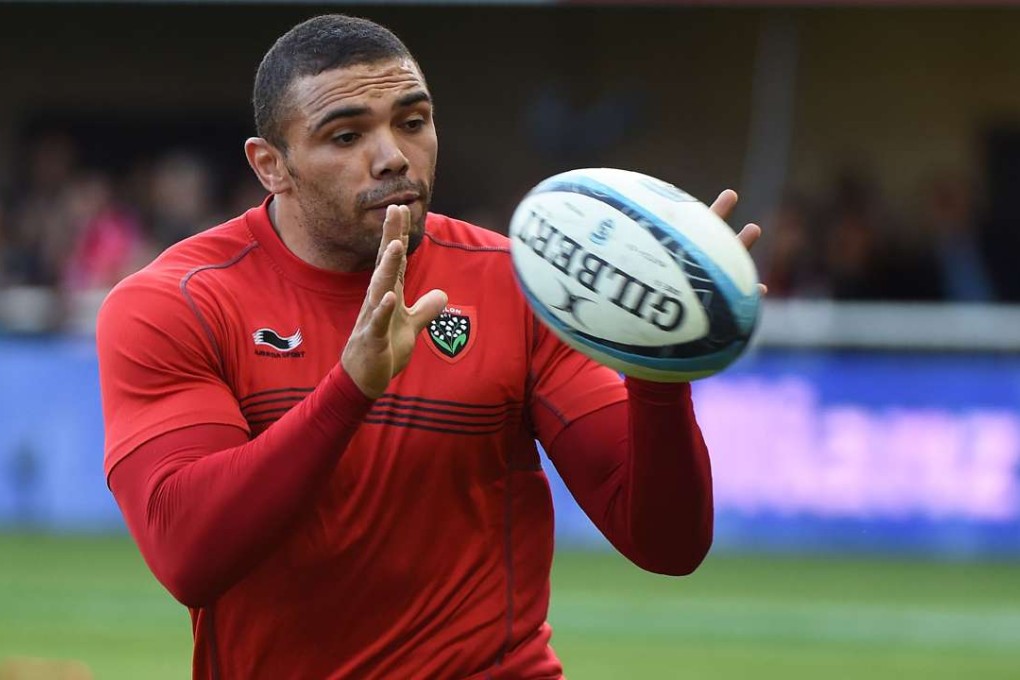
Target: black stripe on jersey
256	414
414	408
281	400
458	404
419	426
263	421
416	417
394	409
302	390
385	416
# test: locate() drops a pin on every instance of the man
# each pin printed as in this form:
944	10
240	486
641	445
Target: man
384	515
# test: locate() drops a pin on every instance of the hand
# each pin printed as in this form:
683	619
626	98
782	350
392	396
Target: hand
723	206
386	330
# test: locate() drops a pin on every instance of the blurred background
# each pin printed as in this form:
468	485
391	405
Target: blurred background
866	450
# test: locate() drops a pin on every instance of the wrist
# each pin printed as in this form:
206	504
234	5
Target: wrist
658	393
368	387
345	392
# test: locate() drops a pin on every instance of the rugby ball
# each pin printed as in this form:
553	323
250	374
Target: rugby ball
635	273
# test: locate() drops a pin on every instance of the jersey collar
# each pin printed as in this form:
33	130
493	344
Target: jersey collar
340	284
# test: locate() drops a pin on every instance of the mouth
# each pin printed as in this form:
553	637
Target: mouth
404	198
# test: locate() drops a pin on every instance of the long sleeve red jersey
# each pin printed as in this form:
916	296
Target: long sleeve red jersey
317	534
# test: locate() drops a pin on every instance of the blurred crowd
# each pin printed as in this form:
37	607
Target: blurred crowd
70	226
847	244
68	232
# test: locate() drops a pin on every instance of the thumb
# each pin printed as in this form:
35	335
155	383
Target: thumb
426	308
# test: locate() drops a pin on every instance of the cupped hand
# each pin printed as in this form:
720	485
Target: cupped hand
749	235
385	332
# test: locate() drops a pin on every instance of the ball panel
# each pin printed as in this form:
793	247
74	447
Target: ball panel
634	292
664	368
705	274
669	205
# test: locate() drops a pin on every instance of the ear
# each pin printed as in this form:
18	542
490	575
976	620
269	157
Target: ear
269	165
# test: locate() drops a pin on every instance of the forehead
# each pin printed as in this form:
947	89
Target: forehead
371	85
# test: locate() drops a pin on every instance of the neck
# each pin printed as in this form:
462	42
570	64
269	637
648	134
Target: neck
286	222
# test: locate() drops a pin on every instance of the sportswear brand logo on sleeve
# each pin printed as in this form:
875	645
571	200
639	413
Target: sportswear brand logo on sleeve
270	338
452	332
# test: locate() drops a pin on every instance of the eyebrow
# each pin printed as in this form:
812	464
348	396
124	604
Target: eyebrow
413	98
407	100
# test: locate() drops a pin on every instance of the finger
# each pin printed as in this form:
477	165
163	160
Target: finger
405	225
763	290
391	230
724	203
405	232
382	315
384	278
427	307
749	235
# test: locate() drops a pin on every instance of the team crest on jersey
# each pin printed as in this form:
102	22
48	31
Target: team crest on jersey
452	333
284	346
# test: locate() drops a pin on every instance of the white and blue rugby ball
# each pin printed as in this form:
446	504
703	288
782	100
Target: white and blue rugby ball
635	273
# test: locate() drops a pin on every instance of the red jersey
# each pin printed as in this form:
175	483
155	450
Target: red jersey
429	553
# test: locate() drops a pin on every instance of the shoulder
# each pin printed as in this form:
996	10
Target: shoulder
163	285
215	248
218	247
447	232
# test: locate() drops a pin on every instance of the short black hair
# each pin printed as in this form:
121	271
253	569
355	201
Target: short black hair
319	44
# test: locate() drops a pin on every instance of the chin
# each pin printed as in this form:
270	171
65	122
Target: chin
418	213
415	238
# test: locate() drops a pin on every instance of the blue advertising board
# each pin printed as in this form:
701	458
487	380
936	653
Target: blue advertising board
811	451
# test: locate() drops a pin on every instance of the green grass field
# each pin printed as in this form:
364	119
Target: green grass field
753	618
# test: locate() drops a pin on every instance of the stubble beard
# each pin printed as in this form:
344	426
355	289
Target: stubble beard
341	233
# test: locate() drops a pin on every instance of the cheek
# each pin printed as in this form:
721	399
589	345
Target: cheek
332	165
327	197
329	179
425	150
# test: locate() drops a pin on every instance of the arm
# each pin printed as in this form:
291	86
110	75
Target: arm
205	505
640	470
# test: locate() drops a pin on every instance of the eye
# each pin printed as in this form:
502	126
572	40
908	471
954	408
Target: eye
414	124
345	138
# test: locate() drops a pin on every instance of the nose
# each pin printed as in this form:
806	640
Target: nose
389	158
